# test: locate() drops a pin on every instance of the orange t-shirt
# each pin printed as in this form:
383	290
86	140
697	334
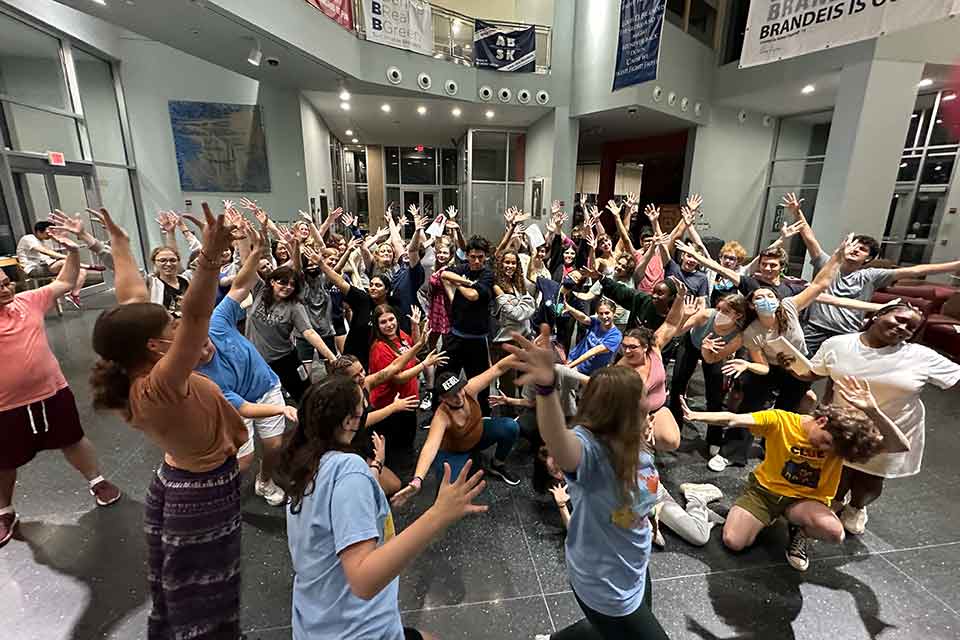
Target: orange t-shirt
459	438
198	431
29	372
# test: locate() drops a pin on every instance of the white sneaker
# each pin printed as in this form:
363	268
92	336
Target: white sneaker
269	491
706	492
718	463
713	450
541	636
426	402
854	520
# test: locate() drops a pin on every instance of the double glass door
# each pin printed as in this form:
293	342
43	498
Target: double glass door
427	200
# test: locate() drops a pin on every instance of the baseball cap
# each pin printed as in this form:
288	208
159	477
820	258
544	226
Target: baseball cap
448	382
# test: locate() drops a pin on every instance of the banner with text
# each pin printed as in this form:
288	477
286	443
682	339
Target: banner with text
503	48
779	29
404	24
638	47
340	11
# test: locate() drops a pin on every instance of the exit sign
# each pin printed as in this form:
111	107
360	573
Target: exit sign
56	158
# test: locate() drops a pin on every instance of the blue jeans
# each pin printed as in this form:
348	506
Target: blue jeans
502	432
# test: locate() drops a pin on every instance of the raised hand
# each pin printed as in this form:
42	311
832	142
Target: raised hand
536	362
167	221
63	222
520	216
451	213
499	401
857	393
102	217
559	493
228	204
555	208
509	214
712	343
248	204
652	212
694	201
791	202
614	208
633	199
685	247
416	315
379	447
787	231
217	234
348	219
410	403
455	499
413	211
435	358
285	235
689	215
63	240
735	367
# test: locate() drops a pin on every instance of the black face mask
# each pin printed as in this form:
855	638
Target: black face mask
312	272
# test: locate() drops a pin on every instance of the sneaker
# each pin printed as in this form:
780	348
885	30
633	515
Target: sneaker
713	450
105	492
706	492
8	522
499	470
718	463
854	520
797	549
73	299
427	401
269	491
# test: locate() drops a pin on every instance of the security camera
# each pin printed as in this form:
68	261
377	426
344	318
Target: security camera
273	62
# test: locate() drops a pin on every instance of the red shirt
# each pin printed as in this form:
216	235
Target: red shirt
30	372
381	355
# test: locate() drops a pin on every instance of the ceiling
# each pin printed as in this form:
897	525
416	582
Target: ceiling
623	124
403	126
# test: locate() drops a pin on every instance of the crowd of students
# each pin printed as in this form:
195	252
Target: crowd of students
329	347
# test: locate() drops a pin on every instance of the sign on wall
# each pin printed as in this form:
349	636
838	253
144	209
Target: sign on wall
638	45
340	11
504	49
404	24
779	29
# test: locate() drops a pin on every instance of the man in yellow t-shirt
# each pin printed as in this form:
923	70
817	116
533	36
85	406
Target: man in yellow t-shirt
800	473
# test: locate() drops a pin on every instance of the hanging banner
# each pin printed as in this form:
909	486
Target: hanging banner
504	48
404	24
340	11
638	46
780	29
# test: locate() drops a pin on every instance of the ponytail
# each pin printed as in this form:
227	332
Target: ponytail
111	386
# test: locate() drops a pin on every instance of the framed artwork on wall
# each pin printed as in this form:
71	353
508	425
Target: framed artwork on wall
220	147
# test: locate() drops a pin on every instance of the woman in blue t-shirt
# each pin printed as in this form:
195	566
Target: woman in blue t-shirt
346	554
612	482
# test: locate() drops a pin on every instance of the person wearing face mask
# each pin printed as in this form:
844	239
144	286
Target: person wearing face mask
897	370
713	335
767	367
346	553
801	471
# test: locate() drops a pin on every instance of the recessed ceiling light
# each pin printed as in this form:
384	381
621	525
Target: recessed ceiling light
489	114
385	108
349	132
345	106
101	2
808	89
456	112
354	141
344	94
926	82
422	110
948	97
256	54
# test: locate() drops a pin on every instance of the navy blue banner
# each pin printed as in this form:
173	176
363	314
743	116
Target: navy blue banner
638	47
504	49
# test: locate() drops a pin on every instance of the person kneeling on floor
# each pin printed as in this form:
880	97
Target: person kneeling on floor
801	471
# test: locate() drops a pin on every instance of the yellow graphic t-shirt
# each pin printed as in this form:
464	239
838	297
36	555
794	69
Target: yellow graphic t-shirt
793	467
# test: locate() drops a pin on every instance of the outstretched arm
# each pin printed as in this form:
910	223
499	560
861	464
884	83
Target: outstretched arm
481	381
247	276
67	278
721	418
923	270
128	284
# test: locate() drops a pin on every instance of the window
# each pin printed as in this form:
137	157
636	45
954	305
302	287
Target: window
100	110
702	20
392	168
31	68
489	156
418	167
737	12
448	166
518	150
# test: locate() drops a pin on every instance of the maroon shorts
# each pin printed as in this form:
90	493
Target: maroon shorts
47	424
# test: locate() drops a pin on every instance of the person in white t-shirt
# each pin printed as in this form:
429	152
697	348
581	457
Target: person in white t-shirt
897	371
39	259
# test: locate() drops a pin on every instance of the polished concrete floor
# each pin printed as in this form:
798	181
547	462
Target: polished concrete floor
76	571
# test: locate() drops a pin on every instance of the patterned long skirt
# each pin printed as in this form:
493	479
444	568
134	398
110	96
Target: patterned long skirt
192	523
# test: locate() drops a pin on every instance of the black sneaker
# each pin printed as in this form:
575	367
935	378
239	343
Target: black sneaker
797	549
501	471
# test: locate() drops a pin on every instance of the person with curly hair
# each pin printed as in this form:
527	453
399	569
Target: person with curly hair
512	309
804	459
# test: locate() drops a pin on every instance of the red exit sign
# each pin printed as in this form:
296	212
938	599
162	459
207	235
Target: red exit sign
56	158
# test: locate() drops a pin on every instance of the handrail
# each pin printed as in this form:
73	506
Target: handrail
457	46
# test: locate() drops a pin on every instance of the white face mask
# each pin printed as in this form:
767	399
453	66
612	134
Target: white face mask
722	318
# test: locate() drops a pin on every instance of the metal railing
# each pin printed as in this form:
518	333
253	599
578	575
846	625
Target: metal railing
453	36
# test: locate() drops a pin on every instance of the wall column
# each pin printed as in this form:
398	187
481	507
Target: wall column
874	102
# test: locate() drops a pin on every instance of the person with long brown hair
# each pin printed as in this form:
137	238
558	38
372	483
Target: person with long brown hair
513	306
345	550
612	482
146	374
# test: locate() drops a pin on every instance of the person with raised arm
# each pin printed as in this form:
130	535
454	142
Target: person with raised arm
146	374
612	484
38	258
346	553
37	408
800	474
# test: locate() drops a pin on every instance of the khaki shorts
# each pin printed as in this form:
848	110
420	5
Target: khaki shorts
764	505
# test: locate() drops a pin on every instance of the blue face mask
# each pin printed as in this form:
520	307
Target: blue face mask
767	306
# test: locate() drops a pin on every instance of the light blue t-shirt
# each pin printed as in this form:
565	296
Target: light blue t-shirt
237	367
347	506
608	542
595	336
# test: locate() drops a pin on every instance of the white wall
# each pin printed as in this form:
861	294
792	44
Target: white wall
538	162
526	11
729	170
316	152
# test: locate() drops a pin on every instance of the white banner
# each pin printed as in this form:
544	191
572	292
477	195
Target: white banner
404	24
780	29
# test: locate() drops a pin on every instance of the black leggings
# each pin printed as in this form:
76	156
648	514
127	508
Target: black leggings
471	355
683	369
641	624
399	430
287	369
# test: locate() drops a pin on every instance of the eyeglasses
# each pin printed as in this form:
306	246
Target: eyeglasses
632	347
284	283
730	258
166	260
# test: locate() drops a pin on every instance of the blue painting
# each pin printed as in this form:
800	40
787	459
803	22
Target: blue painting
220	147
